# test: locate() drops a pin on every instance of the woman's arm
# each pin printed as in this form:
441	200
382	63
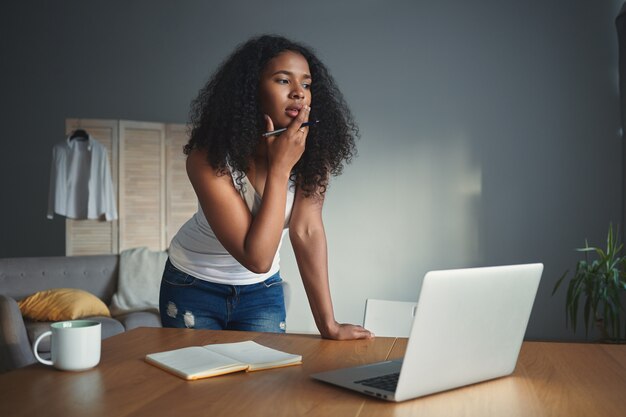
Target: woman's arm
253	242
306	231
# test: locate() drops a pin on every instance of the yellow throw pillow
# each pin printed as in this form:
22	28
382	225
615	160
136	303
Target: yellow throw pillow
62	304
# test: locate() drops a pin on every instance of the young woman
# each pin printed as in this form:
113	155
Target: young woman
223	267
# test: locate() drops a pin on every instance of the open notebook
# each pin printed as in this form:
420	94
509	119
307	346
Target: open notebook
197	362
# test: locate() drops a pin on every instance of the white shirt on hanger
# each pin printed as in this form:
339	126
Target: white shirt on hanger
80	181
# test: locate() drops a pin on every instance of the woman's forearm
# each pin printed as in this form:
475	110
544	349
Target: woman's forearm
262	240
310	249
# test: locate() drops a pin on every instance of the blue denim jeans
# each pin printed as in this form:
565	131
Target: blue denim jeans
186	301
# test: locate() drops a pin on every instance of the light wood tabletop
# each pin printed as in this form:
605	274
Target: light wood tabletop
551	379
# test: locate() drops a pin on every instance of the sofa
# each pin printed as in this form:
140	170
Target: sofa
22	277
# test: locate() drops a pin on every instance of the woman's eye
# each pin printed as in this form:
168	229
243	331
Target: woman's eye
282	81
306	86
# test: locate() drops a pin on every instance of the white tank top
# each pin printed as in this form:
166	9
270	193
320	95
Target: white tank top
196	250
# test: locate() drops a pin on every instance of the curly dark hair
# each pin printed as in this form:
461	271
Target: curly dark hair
226	117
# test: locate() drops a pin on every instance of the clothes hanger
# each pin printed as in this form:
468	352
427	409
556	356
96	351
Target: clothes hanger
79	134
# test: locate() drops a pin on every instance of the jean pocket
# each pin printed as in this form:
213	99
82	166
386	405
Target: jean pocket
175	277
273	280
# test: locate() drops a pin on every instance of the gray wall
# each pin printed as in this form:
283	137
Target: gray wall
489	128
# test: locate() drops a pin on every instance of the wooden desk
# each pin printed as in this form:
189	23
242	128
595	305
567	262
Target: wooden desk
551	379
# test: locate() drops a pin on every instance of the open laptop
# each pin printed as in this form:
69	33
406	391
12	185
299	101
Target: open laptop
468	327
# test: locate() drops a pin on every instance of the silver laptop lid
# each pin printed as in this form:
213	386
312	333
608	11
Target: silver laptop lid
469	326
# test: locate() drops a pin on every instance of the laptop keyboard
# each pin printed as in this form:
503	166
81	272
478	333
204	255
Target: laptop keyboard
384	382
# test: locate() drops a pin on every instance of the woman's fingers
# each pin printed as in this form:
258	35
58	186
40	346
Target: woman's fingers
269	124
285	150
349	332
302	117
362	333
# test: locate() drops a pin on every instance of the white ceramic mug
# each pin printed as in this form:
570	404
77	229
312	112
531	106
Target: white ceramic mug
75	345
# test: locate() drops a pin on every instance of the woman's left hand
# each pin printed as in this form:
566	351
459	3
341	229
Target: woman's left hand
345	331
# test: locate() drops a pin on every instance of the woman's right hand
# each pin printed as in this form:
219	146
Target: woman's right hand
285	150
344	331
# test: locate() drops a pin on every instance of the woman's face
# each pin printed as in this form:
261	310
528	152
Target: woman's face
285	87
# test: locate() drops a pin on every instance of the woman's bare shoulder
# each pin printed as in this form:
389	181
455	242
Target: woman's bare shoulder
198	158
199	169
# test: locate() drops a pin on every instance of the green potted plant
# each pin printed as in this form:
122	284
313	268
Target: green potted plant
598	284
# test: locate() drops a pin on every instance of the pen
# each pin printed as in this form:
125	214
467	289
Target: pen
279	131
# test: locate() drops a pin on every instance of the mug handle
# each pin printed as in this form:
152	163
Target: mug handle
44	361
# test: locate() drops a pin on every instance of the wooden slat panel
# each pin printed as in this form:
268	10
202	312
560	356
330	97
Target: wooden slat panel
142	184
93	237
181	202
154	194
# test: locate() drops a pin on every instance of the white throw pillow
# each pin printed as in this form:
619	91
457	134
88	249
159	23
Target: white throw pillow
139	281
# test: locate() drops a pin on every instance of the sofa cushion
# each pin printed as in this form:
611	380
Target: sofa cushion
139	281
62	304
21	277
110	327
139	319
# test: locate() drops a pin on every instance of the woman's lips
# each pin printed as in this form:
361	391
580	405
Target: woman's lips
293	110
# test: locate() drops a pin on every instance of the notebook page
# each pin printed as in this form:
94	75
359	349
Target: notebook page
254	354
192	362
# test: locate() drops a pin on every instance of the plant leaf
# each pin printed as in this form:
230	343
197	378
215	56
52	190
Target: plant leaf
599	283
558	283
